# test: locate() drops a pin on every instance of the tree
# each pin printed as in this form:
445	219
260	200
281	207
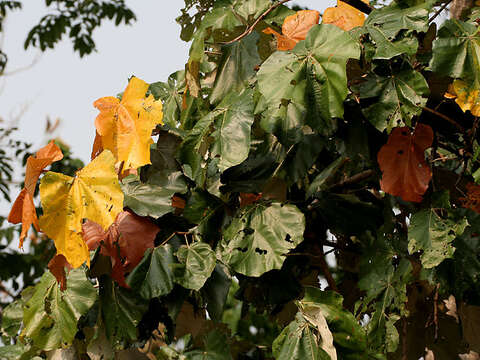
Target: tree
283	144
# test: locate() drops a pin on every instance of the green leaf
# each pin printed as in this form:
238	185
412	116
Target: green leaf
385	24
236	67
319	63
399	98
196	263
171	95
298	342
319	183
50	316
216	290
12	316
121	311
456	51
251	9
153	276
12	352
153	198
434	235
215	347
258	238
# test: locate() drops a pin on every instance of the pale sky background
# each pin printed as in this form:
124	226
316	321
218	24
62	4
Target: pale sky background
61	85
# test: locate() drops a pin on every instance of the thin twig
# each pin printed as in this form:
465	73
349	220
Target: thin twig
445	117
249	29
443	7
326	271
354	179
435	310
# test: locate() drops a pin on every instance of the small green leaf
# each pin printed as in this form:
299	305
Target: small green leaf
197	262
319	183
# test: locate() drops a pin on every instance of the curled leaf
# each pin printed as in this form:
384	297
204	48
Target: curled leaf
57	267
295	28
344	16
23	211
93	194
402	162
97	147
125	126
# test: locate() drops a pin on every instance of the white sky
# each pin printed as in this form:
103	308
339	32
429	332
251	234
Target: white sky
62	85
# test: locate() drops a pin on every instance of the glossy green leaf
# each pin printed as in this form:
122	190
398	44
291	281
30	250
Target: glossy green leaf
260	236
398	98
434	235
236	67
50	316
153	276
121	311
196	263
318	64
153	198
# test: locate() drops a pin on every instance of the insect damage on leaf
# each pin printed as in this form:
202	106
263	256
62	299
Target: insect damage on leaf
295	28
402	162
93	194
125	126
23	209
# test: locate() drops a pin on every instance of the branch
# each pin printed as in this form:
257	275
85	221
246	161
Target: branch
445	117
249	29
354	179
360	6
443	7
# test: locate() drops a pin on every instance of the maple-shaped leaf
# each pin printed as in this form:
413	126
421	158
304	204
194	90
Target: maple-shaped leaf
465	95
125	241
94	193
23	209
126	125
57	267
295	28
402	161
344	16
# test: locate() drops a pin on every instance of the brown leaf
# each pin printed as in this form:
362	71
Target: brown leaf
472	201
125	241
249	198
295	28
402	162
57	267
451	306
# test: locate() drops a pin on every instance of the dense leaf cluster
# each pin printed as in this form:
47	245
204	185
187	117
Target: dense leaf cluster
277	237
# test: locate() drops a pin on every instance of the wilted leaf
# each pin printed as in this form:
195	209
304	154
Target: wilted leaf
93	194
126	126
402	161
466	96
23	209
57	267
451	306
344	16
125	241
51	315
295	28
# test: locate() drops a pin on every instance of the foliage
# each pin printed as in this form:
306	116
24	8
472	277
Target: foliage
310	195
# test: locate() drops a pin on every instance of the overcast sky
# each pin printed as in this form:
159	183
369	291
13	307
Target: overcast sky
62	85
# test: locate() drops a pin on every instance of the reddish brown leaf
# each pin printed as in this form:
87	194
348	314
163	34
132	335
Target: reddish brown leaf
402	162
472	201
295	28
97	147
57	267
125	241
23	211
249	198
178	202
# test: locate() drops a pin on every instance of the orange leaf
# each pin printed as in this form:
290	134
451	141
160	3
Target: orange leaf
402	161
178	202
472	201
344	16
295	28
125	241
57	267
97	147
23	209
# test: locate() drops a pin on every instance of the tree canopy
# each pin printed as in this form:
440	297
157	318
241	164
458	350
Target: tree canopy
307	187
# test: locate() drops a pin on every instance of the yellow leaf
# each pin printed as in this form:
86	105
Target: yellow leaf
344	16
465	95
94	193
126	126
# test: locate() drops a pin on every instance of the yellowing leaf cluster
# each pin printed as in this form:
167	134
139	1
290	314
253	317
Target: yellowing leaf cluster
344	16
125	126
466	96
94	193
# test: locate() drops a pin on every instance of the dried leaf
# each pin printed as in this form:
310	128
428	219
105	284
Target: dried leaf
344	16
57	267
402	162
429	354
472	201
465	95
472	355
93	194
126	126
295	28
249	198
451	306
125	241
23	209
178	202
97	147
